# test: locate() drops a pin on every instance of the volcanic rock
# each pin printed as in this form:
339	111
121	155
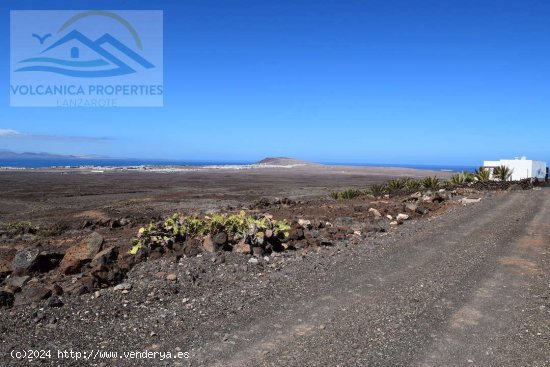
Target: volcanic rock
242	248
17	282
94	243
123	287
411	207
401	217
105	256
32	293
78	255
25	260
422	210
209	246
220	238
375	212
192	247
54	301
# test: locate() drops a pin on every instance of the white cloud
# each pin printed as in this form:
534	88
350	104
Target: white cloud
9	133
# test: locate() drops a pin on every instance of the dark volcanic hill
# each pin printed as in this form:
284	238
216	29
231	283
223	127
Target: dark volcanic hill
283	161
41	155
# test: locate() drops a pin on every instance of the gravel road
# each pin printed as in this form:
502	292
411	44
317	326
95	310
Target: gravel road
470	287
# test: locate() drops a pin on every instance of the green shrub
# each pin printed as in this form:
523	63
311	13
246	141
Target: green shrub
347	194
502	173
430	183
412	185
377	190
178	228
461	178
395	185
483	174
20	227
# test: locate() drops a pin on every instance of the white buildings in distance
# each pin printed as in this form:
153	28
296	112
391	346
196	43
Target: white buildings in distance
521	168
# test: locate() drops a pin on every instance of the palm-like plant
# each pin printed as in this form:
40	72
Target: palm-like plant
430	182
469	176
483	174
456	179
346	194
395	185
462	177
413	185
502	173
377	190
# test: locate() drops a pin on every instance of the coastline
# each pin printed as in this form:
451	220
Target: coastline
174	168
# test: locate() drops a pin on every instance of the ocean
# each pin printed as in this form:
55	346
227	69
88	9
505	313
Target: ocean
47	162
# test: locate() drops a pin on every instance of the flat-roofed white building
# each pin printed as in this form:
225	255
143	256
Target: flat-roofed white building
521	168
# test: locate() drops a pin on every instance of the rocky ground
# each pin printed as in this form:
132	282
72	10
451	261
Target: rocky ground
388	286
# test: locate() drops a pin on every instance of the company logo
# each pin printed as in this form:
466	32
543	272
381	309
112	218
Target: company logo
90	58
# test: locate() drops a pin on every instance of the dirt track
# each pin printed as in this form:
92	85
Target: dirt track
470	288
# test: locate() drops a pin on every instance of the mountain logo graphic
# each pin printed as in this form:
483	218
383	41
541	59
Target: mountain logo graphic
100	60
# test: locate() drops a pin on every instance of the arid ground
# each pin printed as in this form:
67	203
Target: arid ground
464	281
47	196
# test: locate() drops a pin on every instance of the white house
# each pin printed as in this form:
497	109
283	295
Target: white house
521	168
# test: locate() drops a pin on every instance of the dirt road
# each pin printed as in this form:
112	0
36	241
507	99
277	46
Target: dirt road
469	289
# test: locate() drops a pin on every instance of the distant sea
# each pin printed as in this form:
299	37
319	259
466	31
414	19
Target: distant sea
103	162
97	162
432	167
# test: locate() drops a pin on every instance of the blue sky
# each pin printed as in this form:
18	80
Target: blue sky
365	81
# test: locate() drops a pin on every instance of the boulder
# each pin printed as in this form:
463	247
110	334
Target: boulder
422	210
106	256
81	286
208	245
411	207
25	260
123	287
79	255
32	293
416	195
297	233
220	239
54	301
17	282
125	221
74	259
375	212
380	225
258	251
192	247
94	243
305	223
242	248
402	217
439	198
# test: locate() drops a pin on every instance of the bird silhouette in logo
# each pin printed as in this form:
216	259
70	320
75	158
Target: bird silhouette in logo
43	38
